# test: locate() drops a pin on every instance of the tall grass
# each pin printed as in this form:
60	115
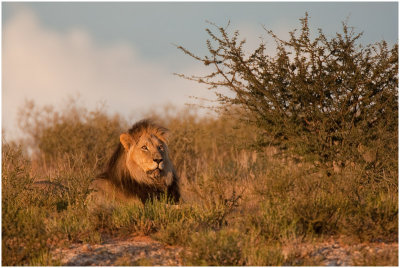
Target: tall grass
241	202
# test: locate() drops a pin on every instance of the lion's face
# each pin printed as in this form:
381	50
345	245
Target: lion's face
147	158
149	154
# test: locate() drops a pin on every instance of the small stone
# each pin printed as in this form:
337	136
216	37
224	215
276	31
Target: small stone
86	247
142	254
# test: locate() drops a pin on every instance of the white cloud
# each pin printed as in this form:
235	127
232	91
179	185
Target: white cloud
49	66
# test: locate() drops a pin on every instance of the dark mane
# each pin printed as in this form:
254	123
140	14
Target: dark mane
136	131
112	162
146	125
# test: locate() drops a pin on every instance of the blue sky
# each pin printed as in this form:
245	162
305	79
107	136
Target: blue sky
103	51
154	27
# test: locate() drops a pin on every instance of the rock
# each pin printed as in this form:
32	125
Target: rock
86	247
120	252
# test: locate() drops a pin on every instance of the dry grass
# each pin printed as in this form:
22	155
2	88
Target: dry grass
242	202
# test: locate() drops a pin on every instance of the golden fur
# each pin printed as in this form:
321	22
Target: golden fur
140	167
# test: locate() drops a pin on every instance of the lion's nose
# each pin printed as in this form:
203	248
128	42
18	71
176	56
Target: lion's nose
158	160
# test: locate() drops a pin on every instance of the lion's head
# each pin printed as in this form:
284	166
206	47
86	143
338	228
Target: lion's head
146	152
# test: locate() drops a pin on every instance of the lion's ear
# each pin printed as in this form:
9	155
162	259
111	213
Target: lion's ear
126	140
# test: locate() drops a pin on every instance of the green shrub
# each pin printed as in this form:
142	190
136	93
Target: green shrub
215	248
319	97
23	229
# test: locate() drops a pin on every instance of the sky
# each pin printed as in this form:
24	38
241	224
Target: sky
124	54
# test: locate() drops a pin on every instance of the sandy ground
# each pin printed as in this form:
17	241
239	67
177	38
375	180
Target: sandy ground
132	251
336	252
142	250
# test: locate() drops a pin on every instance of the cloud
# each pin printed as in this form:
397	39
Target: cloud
48	66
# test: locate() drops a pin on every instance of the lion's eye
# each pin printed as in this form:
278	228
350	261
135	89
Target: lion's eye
144	147
160	148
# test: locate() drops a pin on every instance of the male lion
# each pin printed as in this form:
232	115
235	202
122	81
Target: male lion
139	169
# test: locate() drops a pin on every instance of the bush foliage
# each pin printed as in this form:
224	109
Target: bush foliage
73	130
318	96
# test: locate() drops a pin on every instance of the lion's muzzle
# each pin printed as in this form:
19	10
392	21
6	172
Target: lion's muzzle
156	168
155	173
161	165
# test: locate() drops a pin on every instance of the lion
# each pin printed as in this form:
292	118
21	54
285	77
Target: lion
139	169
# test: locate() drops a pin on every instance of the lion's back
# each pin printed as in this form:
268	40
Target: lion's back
103	193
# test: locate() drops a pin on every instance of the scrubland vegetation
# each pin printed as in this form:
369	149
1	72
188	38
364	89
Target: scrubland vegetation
306	150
